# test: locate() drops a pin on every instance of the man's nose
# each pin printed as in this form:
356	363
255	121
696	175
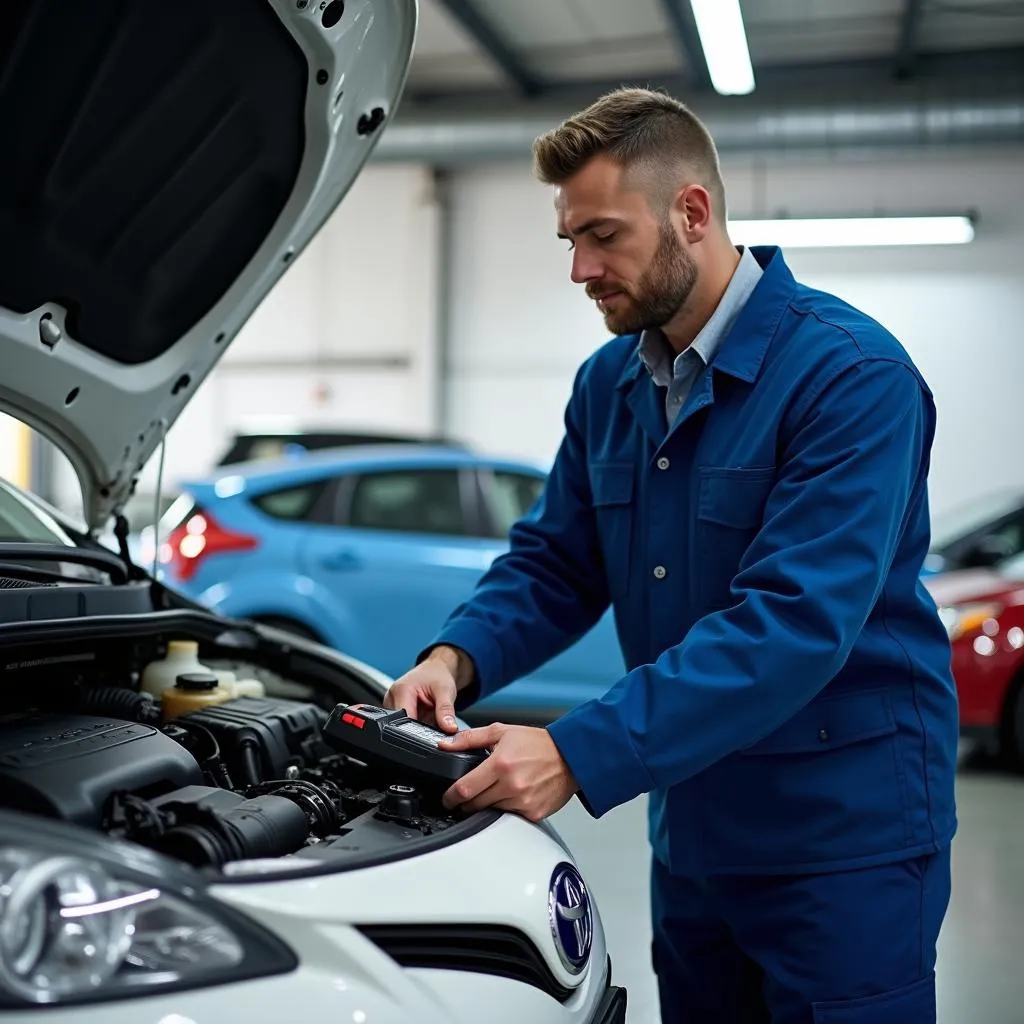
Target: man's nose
585	267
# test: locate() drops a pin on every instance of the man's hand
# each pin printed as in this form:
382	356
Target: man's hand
427	692
525	772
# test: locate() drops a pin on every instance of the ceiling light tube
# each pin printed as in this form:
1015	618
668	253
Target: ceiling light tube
849	232
724	41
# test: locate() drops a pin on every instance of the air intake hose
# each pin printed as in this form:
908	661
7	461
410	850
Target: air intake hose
266	826
120	703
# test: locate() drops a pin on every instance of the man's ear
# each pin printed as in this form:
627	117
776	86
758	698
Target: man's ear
695	211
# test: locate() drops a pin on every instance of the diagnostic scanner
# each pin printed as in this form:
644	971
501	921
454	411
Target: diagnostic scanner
392	741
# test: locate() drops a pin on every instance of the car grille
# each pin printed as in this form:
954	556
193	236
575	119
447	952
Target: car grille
482	949
7	583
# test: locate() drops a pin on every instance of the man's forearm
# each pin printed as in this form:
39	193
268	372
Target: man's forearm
458	662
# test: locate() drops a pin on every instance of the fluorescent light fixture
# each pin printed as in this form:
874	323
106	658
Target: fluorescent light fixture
848	232
724	40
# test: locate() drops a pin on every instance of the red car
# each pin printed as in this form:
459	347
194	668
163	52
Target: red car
984	613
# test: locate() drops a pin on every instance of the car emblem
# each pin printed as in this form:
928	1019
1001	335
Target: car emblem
571	917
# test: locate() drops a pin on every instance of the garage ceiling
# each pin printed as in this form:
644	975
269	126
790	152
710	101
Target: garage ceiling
473	50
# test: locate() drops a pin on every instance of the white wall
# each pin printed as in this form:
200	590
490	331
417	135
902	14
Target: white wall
348	338
520	327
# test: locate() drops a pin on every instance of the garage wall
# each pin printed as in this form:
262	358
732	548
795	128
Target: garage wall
520	327
348	338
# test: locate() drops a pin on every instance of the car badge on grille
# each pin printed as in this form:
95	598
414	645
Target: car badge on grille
571	917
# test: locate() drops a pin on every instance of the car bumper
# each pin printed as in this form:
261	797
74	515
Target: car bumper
313	998
612	1008
497	878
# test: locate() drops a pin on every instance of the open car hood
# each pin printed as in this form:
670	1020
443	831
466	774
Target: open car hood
162	166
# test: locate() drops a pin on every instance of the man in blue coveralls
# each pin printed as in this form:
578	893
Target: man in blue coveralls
743	478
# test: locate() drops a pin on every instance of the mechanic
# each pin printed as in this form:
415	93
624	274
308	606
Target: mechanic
743	478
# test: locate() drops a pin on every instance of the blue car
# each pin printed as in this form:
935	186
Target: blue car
369	549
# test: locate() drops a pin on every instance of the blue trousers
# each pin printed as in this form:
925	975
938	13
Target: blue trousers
852	947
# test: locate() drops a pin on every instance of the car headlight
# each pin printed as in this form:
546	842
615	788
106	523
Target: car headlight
962	619
84	919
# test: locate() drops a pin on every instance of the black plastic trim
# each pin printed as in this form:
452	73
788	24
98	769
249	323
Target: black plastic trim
480	949
49	602
107	561
44	631
613	1007
456	833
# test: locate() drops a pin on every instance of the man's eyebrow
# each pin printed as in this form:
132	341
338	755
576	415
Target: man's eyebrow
588	225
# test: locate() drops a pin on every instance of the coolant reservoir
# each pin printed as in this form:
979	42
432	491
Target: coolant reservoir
191	691
182	657
241	687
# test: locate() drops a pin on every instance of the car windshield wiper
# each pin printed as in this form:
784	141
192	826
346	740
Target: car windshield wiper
105	561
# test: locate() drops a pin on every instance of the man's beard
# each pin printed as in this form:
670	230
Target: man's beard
660	293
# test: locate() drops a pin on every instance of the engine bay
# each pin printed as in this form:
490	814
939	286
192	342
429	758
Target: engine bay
245	787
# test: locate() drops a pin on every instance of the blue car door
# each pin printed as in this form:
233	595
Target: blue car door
405	553
593	663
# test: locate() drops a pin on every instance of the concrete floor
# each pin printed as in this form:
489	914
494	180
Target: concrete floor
980	969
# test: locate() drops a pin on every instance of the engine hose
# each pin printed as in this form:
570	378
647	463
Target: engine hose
320	803
266	826
122	703
206	751
250	760
218	773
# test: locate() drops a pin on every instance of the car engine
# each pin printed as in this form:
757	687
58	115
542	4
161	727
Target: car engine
225	787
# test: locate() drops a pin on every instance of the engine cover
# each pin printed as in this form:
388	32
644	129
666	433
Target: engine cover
281	732
66	766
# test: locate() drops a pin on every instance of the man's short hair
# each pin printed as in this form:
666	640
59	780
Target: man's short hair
646	132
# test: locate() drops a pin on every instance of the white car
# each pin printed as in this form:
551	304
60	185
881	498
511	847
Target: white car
245	860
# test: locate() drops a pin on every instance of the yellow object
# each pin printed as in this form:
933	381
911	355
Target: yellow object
975	616
192	691
15	452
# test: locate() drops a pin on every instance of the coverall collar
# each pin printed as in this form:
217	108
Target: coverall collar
742	351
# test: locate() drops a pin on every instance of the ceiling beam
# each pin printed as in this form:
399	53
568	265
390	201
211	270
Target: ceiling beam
684	27
491	41
910	25
1000	70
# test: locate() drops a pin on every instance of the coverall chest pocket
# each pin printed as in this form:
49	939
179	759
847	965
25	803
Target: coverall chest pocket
730	510
612	489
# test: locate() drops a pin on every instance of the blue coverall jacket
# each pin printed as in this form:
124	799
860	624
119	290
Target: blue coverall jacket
788	704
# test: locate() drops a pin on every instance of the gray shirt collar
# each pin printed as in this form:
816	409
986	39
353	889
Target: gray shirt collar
658	355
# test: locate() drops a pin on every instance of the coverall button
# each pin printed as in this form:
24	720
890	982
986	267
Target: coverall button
823	735
663	463
660	572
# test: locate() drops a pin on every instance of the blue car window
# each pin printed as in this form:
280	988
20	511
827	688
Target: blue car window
295	504
409	501
512	496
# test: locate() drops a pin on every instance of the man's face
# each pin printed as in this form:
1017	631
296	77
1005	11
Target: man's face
632	262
